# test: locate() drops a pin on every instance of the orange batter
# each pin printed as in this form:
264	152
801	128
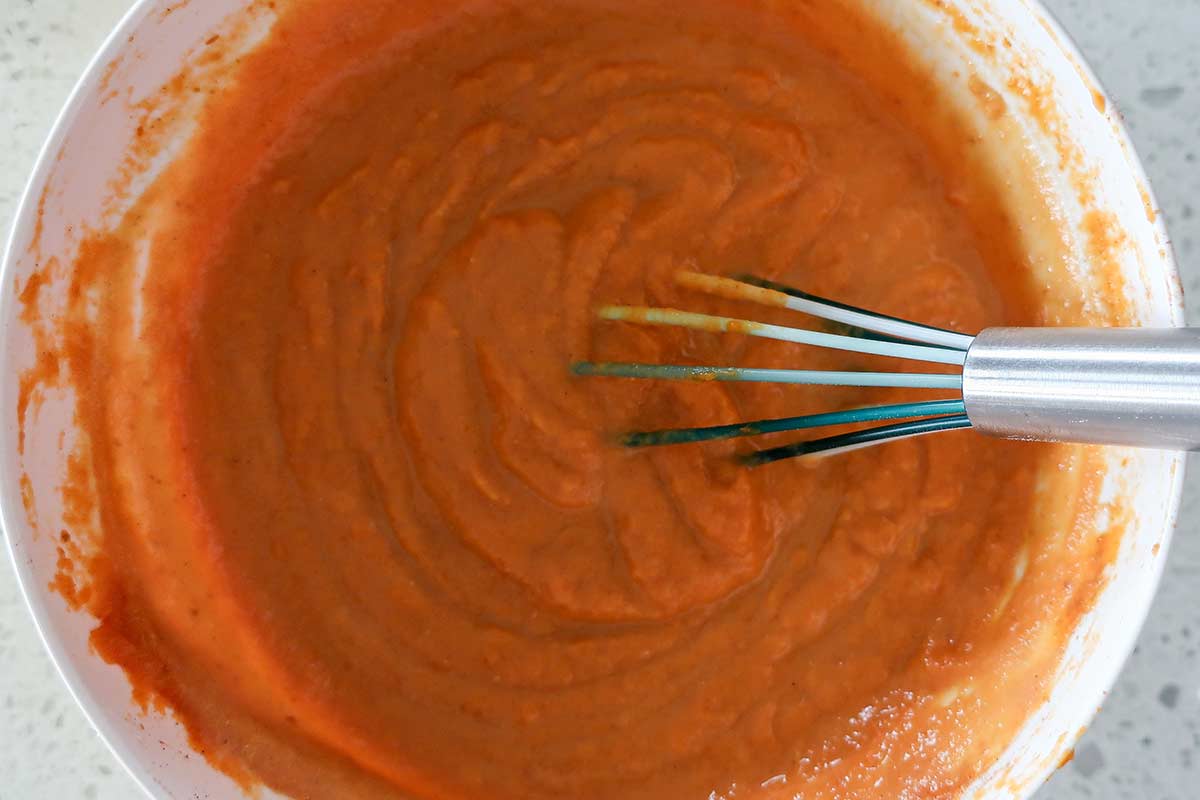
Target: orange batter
362	530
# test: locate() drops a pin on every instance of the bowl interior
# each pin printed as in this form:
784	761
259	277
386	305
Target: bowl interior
1084	161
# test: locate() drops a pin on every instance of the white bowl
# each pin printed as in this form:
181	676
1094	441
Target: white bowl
157	38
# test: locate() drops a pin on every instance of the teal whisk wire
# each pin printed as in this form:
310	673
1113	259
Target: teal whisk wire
846	442
763	426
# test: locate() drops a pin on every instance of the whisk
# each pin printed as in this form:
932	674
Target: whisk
1119	386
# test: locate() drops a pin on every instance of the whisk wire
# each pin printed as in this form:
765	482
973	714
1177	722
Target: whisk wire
846	442
707	322
764	292
810	377
763	426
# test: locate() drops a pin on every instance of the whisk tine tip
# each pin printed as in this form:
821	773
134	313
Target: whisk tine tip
731	288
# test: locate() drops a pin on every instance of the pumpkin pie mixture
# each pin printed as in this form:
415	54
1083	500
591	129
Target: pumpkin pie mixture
362	531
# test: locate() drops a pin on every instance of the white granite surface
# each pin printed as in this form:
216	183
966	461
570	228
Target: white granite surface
1144	745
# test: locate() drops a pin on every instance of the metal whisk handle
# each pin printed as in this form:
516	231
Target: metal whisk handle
1122	386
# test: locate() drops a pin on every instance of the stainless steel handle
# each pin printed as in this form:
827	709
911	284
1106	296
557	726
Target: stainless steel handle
1124	386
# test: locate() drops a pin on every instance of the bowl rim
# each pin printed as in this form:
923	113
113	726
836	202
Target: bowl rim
1176	465
100	715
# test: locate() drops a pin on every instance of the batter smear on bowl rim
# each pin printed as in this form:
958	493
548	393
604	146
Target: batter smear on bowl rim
362	531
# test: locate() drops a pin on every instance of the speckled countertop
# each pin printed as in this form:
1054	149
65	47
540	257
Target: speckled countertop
1144	745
